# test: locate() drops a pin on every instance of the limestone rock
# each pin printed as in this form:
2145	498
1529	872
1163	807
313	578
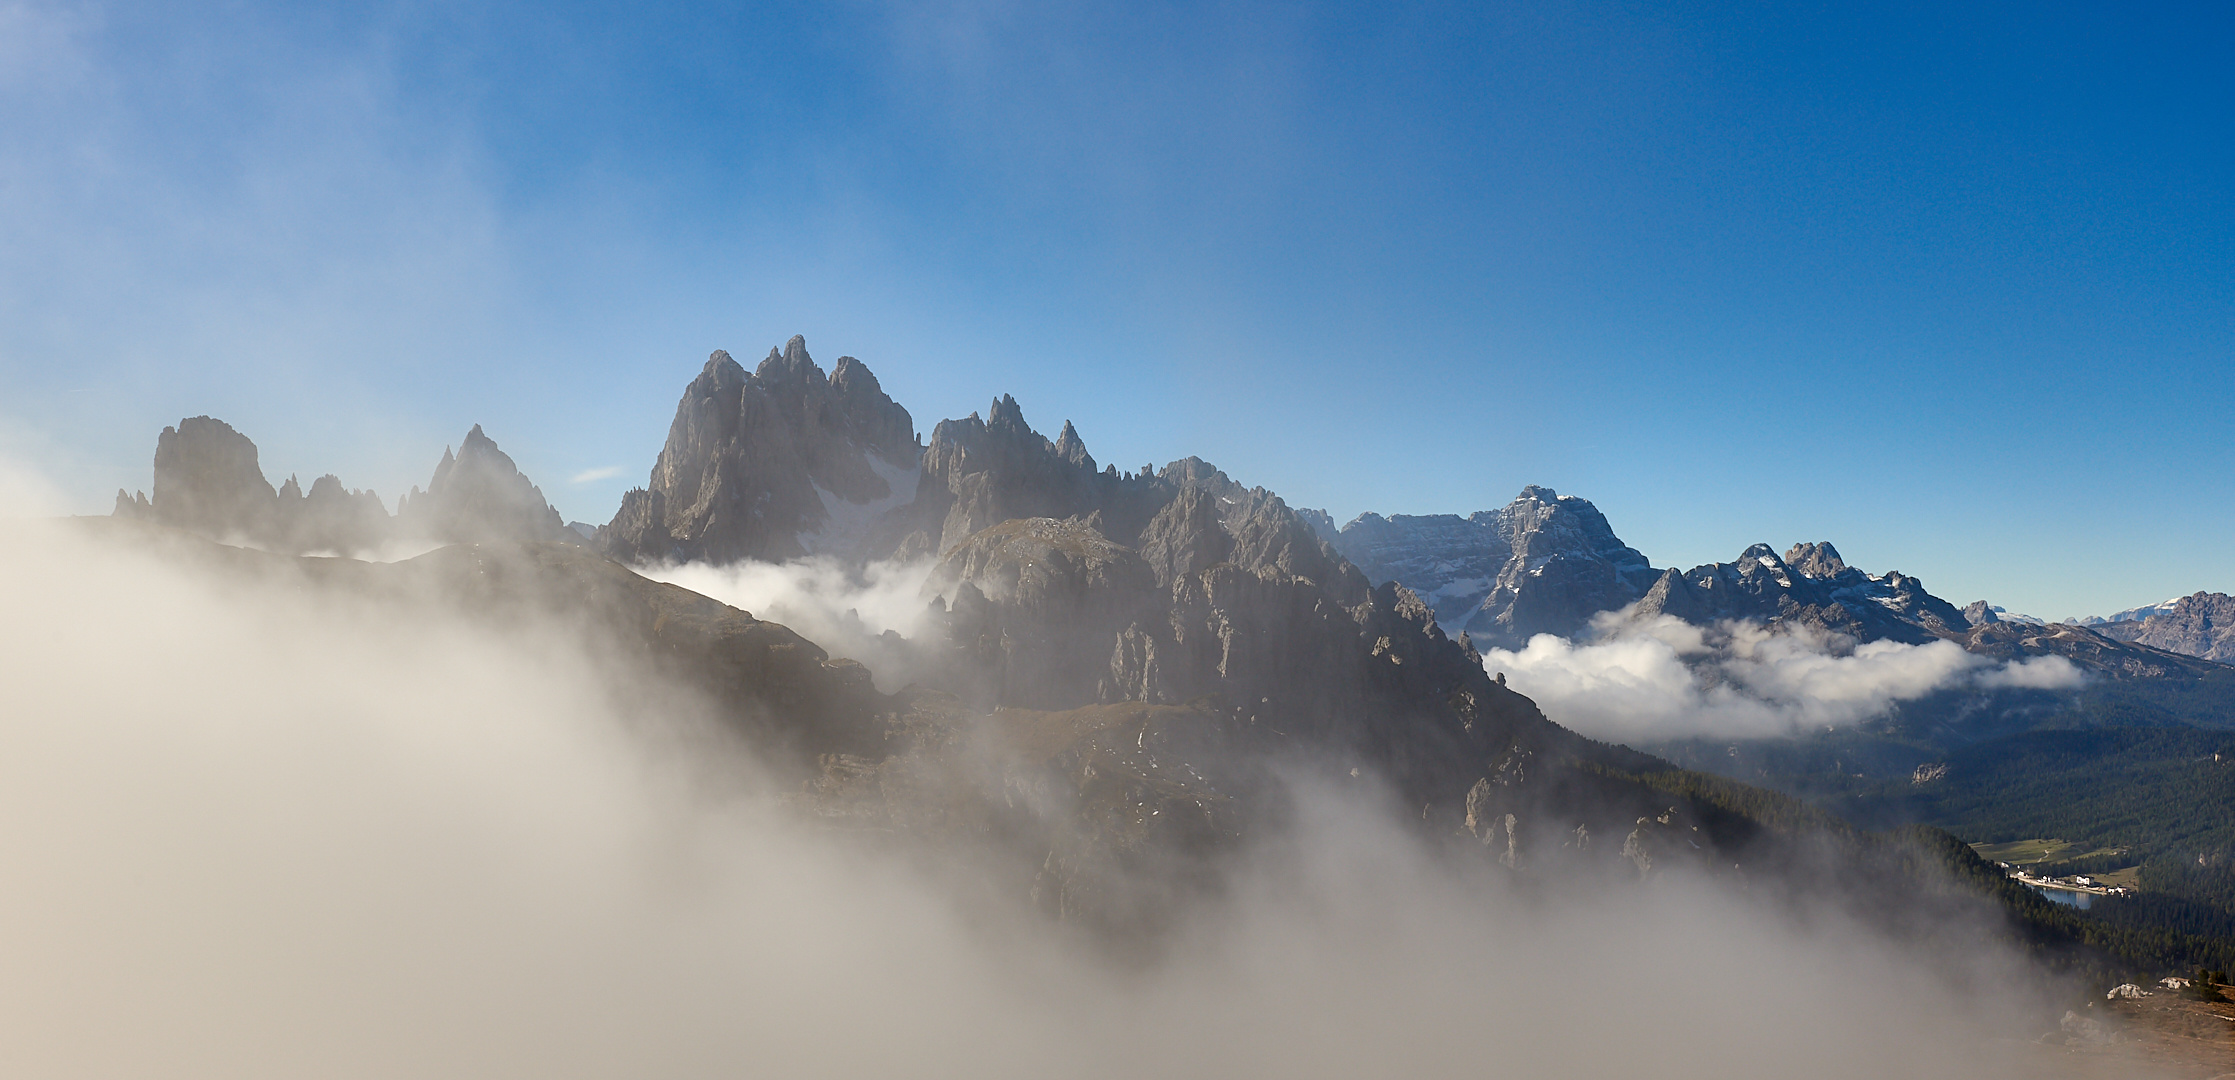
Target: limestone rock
207	482
1543	564
1761	586
771	465
1063	591
2200	625
1185	537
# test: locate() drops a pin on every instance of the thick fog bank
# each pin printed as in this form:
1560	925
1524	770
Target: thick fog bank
267	833
1661	679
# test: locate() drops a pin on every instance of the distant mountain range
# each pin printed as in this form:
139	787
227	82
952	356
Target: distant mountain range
1550	564
2202	624
1146	645
786	461
207	481
1121	668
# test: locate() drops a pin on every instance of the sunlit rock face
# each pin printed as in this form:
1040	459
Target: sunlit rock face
774	464
1542	564
2201	625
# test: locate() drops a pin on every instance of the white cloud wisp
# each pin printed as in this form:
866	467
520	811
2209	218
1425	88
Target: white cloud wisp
1667	679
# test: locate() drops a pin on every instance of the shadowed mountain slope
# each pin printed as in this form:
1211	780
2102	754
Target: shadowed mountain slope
771	465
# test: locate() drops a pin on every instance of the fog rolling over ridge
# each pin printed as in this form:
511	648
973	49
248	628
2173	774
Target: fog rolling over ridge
276	830
868	613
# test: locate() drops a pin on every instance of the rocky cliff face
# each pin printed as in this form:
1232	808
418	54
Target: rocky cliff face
979	472
1809	586
1182	587
1543	564
771	465
208	482
2201	625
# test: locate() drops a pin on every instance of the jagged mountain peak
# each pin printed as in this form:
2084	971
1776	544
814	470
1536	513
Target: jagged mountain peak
1763	587
1817	559
1542	563
791	364
772	465
851	376
1071	448
207	481
479	495
2201	624
1006	413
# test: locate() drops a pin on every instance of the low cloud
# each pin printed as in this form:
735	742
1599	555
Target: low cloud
266	831
2037	673
592	476
846	610
1667	679
256	834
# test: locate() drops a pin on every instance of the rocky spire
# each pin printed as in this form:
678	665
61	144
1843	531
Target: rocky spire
1072	449
479	495
1816	560
771	465
207	481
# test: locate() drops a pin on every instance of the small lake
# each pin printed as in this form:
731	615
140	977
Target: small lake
2066	897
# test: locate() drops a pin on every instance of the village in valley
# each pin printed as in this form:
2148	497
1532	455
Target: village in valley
2026	861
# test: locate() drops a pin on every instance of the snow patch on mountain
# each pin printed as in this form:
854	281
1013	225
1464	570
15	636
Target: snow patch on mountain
846	524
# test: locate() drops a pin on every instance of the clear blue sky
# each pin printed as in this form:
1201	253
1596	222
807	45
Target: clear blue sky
1952	288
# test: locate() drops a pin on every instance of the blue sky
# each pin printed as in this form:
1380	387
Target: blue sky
1952	288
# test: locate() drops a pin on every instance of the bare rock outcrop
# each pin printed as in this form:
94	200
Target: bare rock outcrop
773	464
2201	625
1809	586
1208	593
1063	592
207	481
1543	564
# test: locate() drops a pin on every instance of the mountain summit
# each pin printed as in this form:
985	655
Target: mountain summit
208	482
1542	564
771	465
